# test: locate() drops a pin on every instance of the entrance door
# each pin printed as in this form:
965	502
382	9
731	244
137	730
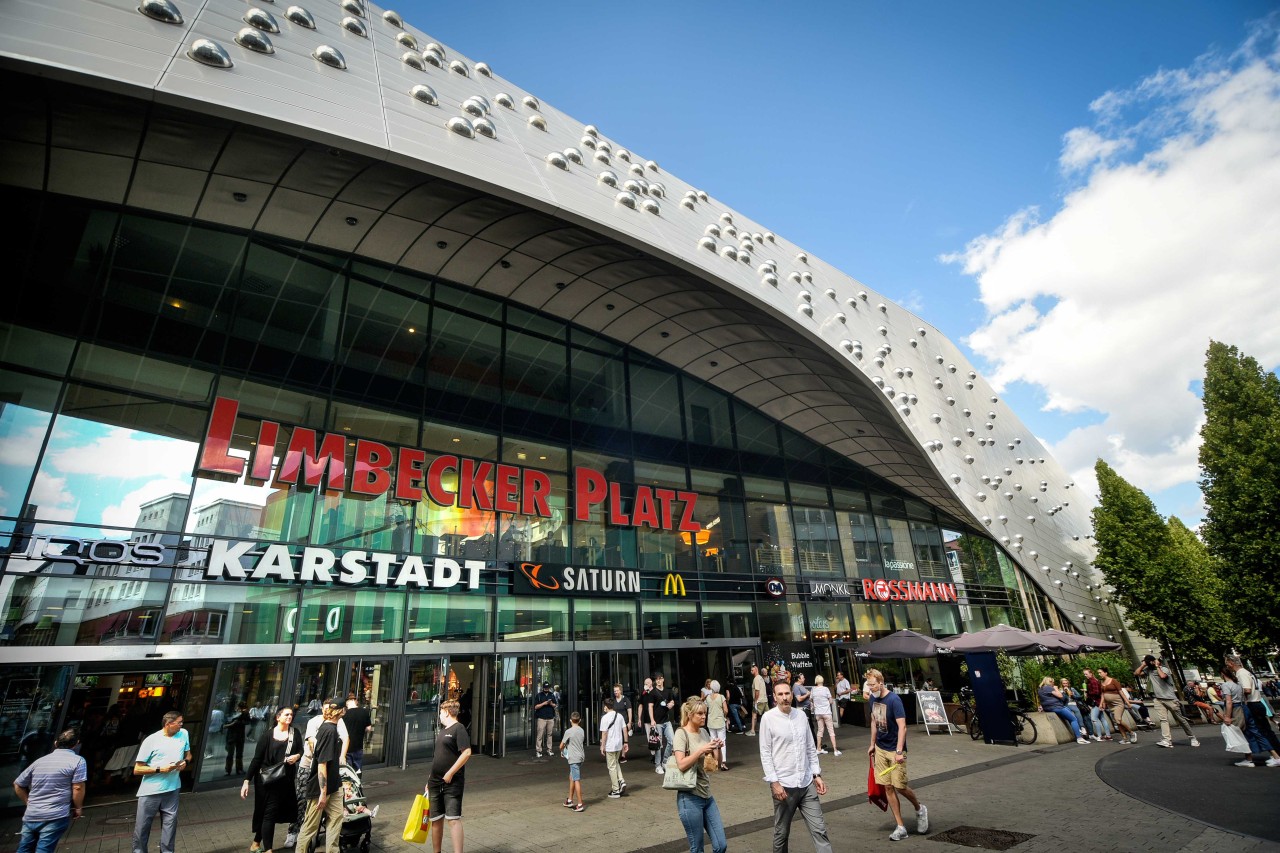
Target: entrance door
432	681
597	672
371	681
519	677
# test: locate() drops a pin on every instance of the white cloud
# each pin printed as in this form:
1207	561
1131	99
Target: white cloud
55	501
22	447
1110	304
1082	147
126	454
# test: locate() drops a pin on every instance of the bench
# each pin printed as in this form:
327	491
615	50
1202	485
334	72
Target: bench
1050	728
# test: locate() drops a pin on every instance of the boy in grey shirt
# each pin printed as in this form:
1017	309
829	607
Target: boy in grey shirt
573	749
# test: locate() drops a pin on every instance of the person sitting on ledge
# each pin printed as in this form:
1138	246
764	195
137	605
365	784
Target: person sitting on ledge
1051	701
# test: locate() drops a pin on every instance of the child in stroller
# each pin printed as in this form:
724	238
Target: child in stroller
356	832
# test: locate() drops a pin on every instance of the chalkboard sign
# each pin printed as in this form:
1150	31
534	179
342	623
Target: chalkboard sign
931	710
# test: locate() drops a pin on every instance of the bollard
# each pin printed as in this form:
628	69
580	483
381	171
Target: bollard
404	753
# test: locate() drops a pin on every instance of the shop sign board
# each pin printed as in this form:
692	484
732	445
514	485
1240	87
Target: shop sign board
557	579
887	590
317	460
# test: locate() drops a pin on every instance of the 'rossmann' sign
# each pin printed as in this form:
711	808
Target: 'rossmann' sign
318	460
886	590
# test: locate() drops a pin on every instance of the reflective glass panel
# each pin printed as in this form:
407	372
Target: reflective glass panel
351	616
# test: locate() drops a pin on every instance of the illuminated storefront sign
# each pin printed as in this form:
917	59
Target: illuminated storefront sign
240	561
319	461
885	590
673	584
829	589
554	579
84	552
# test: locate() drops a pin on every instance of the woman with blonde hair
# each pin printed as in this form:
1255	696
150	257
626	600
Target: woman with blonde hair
697	808
1053	702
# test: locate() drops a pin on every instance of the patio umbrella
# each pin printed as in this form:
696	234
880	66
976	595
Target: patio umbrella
1014	641
904	644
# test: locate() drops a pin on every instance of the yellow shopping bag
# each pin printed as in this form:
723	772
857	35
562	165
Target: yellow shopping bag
419	821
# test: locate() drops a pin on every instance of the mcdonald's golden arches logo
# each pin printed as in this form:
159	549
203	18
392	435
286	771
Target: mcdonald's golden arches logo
673	584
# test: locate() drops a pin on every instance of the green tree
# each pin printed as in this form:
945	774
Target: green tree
1162	575
1240	478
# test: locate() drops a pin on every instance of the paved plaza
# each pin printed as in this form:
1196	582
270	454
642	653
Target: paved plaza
1063	796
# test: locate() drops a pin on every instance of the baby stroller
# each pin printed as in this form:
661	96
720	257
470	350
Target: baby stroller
356	832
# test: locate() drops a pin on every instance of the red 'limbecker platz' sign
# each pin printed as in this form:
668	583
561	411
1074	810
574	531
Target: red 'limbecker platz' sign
886	590
318	460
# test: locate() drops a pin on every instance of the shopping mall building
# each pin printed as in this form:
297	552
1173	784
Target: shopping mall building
332	360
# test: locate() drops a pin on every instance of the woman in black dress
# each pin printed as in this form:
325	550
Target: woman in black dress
276	803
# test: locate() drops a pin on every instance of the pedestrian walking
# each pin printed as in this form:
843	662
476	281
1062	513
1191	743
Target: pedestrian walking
660	709
697	809
820	696
1097	713
1253	702
790	761
844	698
573	749
759	698
52	790
448	778
161	757
233	731
889	748
623	707
274	801
544	714
1115	700
1238	713
717	721
324	787
613	743
1160	683
359	722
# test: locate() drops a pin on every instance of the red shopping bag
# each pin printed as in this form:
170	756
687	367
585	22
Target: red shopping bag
875	791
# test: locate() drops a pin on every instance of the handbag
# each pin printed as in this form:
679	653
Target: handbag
675	779
278	772
1235	740
418	823
875	791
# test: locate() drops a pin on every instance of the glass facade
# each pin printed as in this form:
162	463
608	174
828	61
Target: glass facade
126	330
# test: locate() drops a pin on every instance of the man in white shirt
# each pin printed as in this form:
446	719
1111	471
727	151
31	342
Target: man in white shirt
790	761
613	745
759	698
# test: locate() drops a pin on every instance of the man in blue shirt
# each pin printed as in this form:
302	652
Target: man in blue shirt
161	758
52	788
889	746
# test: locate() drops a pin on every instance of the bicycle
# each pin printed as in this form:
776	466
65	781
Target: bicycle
966	717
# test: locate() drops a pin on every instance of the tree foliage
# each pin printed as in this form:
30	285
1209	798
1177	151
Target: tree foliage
1240	478
1163	576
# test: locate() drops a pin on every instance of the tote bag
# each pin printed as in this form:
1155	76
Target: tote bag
675	779
419	820
1235	740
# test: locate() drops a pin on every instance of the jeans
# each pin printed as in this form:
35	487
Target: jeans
1075	711
733	715
806	801
1263	722
167	805
42	836
1101	722
698	814
668	734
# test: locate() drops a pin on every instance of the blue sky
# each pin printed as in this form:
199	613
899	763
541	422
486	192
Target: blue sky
1055	186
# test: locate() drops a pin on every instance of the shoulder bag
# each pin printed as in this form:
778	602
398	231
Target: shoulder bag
675	779
278	772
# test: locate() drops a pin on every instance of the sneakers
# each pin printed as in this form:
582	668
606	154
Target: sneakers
622	787
838	752
822	752
899	833
1248	762
1133	737
568	804
660	770
751	734
922	819
613	795
537	755
1195	742
1273	762
291	839
579	808
1164	743
1083	741
1096	738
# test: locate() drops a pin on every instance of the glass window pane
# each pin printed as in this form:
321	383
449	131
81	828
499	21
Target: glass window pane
926	541
655	403
817	540
756	433
200	614
351	616
464	356
722	541
895	547
728	619
445	438
533	375
529	618
707	415
255	684
603	619
830	621
31	348
43	610
442	618
944	620
26	404
872	621
599	388
769	532
132	372
384	343
113	458
671	620
781	621
534	454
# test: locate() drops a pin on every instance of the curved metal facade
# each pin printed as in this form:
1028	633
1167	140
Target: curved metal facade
359	133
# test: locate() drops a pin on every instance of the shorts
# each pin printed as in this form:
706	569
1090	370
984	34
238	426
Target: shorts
897	778
761	707
446	800
575	772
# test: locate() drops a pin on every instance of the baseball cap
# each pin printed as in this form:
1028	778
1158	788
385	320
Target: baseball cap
546	684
